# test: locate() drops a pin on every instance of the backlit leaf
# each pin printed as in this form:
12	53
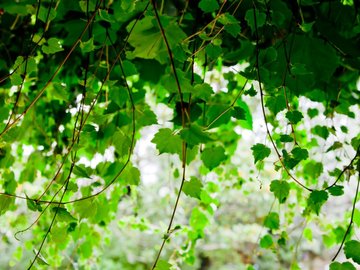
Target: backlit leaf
260	152
280	189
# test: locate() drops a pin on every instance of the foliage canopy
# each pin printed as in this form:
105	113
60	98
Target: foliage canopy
79	78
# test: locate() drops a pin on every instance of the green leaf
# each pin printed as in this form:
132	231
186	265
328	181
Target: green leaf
131	175
280	189
5	203
203	91
260	152
239	113
86	208
321	131
276	104
87	46
300	154
352	250
357	217
193	188
43	14
167	142
272	221
194	135
247	122
342	266
208	5
213	51
162	265
336	145
266	241
286	138
260	19
52	46
82	171
33	206
63	214
316	199
213	156
312	112
294	116
336	190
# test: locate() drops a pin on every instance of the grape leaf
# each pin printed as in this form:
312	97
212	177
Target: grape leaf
208	5
162	265
260	152
193	187
342	266
167	142
52	46
272	221
63	214
316	199
213	156
193	135
294	116
352	250
280	189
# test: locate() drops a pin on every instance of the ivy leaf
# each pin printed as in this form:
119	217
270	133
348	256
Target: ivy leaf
52	46
280	189
167	142
294	116
316	199
213	156
194	135
63	214
193	188
260	152
342	266
208	5
352	250
272	221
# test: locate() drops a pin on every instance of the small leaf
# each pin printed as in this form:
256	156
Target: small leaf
162	265
294	116
260	19
342	266
280	189
266	241
272	221
336	190
193	188
299	153
213	156
276	104
167	142
208	5
203	91
87	46
316	199
63	214
81	171
336	145
193	135
286	138
321	131
352	250
260	152
52	46
239	113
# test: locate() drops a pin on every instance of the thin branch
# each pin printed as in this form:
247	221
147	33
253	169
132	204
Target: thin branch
263	107
351	219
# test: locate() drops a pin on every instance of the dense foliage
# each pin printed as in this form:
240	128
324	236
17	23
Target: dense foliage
81	79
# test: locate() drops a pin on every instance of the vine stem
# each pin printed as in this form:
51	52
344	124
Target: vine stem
351	218
41	92
263	107
184	117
